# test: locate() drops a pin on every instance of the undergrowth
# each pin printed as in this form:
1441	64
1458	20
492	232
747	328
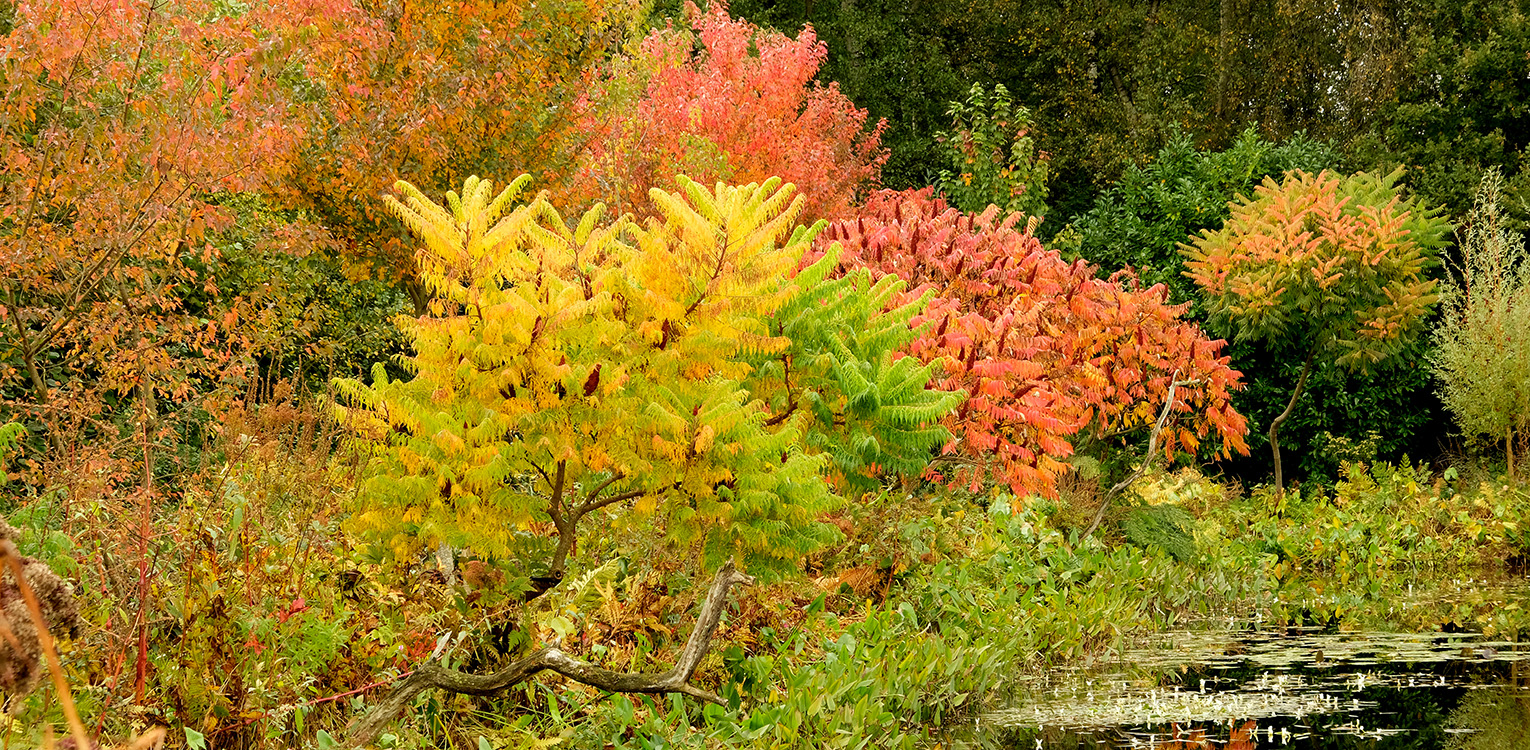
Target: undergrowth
248	617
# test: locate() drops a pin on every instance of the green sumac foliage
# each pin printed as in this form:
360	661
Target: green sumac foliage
1167	527
1483	341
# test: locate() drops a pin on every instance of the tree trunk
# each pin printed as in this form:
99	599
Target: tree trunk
419	296
854	64
676	680
1508	445
1296	393
40	392
1224	47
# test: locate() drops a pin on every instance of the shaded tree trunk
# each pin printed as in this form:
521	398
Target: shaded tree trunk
854	63
1296	393
1224	49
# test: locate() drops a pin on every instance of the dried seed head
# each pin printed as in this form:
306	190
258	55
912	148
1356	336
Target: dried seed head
20	669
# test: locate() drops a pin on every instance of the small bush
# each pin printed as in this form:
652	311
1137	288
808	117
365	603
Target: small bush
1167	527
1483	355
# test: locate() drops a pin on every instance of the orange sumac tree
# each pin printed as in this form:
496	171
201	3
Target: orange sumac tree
1043	347
1335	265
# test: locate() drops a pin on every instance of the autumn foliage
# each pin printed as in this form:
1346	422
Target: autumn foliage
564	370
743	109
1043	347
1335	265
754	361
123	125
427	91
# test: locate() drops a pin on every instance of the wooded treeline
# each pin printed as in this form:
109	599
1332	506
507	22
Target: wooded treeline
1119	92
1440	87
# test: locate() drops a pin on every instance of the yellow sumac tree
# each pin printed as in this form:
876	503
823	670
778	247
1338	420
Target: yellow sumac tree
681	370
681	373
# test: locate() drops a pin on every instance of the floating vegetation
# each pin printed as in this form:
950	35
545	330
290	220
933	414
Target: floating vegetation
1275	697
1316	648
1242	685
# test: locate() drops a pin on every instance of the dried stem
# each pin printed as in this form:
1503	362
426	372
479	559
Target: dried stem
1147	461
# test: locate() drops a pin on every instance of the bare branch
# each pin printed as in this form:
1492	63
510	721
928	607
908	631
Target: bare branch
589	499
675	680
612	500
544	474
1147	460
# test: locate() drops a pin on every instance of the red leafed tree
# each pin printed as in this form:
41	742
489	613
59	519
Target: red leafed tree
745	109
1043	347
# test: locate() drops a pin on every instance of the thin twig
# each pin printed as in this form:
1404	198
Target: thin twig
1147	461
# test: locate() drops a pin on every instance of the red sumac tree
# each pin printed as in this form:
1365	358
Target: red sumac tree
1044	348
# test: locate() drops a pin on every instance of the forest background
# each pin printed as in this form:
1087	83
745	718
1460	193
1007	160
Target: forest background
201	274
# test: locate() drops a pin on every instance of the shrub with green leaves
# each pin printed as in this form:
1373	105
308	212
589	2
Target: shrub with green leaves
1140	221
1167	527
993	157
1482	357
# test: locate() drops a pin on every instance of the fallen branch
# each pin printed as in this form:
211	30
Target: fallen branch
676	680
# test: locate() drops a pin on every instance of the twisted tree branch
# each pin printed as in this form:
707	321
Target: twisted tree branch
675	680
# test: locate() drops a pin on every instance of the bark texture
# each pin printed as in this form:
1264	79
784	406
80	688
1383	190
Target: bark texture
676	680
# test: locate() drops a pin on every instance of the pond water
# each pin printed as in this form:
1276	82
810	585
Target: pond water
1244	684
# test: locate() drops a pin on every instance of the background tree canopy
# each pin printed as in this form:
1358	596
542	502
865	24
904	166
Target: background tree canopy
1441	87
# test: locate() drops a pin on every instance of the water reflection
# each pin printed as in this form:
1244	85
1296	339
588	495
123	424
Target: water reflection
1491	719
1245	687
